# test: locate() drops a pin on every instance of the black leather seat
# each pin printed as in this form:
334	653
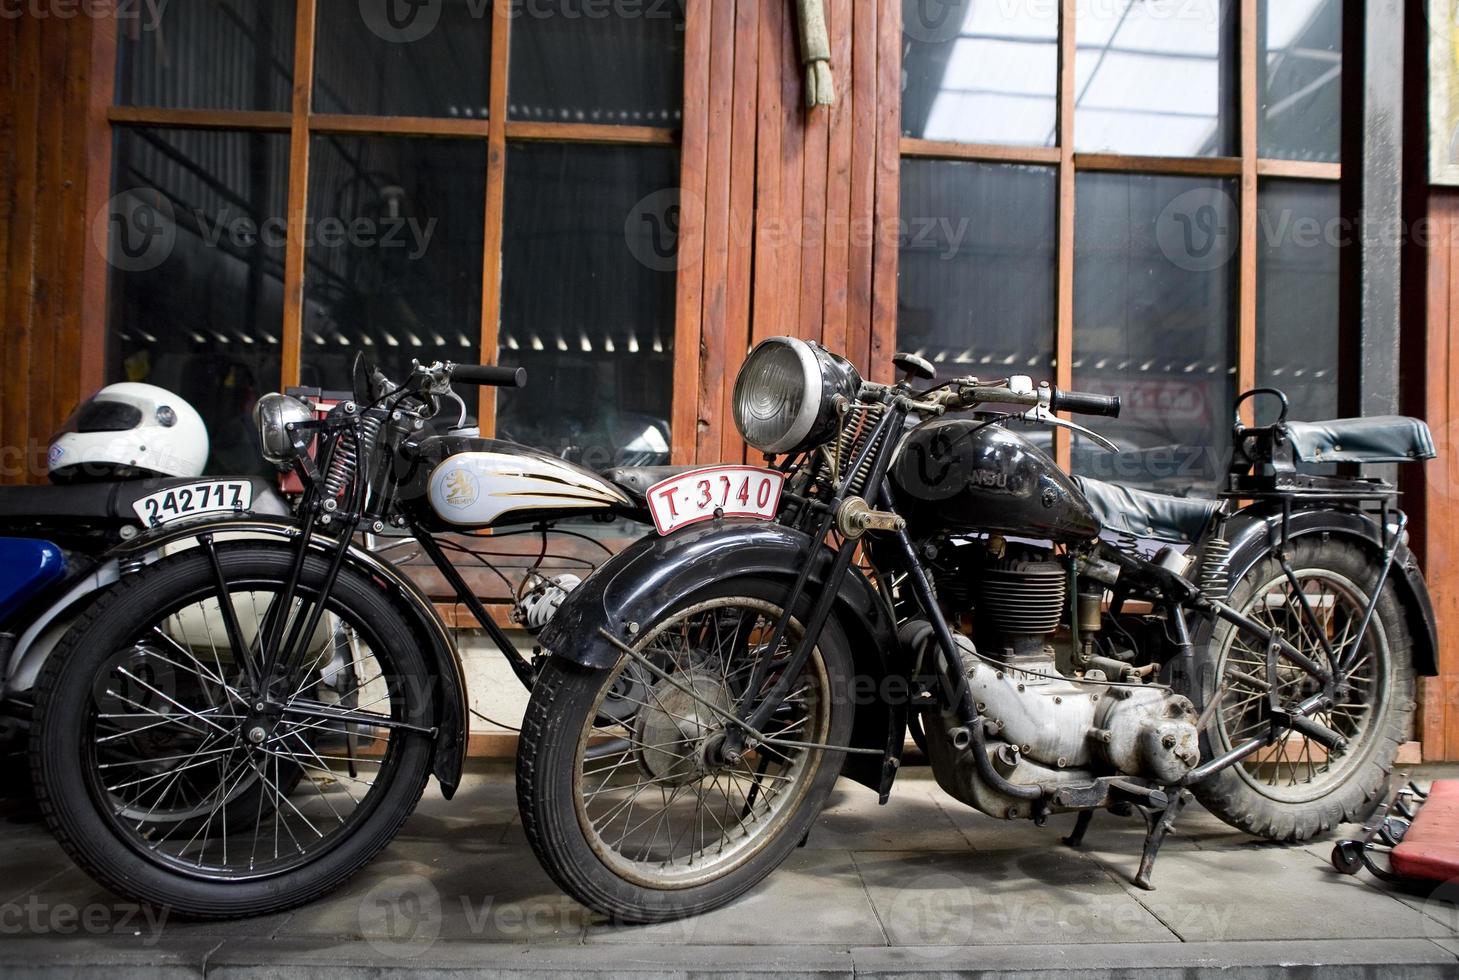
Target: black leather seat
635	480
111	501
1380	439
1126	510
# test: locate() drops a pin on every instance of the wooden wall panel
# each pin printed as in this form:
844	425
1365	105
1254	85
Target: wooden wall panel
800	206
1439	718
47	257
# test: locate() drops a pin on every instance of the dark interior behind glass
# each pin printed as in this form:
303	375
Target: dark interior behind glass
432	61
1299	240
589	271
196	244
394	246
976	289
206	54
1155	290
607	63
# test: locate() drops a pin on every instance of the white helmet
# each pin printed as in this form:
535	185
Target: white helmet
128	430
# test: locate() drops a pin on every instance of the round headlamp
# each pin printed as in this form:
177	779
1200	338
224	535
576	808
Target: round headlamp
785	394
273	413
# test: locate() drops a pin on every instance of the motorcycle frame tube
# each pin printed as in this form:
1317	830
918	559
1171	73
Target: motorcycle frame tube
759	714
504	645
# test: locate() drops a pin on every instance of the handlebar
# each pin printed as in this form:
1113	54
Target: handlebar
1085	403
490	375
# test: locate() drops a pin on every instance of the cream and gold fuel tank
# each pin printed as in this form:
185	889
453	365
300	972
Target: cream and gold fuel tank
467	482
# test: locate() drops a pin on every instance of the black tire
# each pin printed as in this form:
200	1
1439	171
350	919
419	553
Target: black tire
563	709
1257	797
74	800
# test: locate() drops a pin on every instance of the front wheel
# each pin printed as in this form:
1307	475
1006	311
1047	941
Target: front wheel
170	776
1294	789
624	794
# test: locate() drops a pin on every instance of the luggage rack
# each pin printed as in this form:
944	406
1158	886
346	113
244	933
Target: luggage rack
1264	458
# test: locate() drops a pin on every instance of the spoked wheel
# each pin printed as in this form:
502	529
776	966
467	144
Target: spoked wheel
1296	788
628	792
174	775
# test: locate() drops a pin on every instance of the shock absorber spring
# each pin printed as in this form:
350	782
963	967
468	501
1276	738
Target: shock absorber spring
1215	575
347	454
861	423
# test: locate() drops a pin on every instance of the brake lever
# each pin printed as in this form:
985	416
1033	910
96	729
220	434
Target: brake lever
1041	413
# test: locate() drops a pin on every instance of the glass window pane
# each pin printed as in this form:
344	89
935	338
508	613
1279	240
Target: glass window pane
394	247
207	54
195	240
1299	236
976	288
1155	298
1157	77
1300	61
389	58
594	62
589	270
980	72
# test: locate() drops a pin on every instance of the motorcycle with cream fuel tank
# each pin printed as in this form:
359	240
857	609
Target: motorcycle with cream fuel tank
276	679
1064	645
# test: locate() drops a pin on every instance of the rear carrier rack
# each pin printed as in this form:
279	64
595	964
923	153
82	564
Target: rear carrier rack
1264	459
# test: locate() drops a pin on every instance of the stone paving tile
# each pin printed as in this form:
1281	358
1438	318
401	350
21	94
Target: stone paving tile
911	821
453	889
1452	945
1257	890
71	903
814	898
1053	896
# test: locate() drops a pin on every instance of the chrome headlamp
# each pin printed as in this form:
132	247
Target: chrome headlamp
273	413
785	394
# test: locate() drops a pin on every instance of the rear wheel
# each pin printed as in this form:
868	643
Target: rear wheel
1295	789
172	780
624	795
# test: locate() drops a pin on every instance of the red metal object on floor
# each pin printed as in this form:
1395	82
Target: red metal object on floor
1430	847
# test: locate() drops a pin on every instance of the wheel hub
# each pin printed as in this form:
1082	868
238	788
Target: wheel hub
677	732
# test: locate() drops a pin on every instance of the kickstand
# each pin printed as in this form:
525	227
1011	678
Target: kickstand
1158	823
1081	825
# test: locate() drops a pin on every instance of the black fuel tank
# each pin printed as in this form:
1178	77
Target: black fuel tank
967	475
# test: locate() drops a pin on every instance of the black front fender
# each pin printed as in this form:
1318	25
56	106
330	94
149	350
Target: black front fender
451	710
641	584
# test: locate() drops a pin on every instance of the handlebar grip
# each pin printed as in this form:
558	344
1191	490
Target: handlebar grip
1085	403
491	375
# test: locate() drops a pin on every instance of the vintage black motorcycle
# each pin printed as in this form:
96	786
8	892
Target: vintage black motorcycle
252	710
709	685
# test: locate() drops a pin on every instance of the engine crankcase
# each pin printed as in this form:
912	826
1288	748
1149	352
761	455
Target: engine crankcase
1051	732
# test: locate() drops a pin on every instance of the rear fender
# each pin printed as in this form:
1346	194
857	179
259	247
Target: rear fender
1256	530
443	659
645	581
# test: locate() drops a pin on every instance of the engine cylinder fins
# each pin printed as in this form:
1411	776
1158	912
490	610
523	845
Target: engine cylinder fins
1024	597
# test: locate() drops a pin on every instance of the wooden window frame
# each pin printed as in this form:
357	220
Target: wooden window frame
1249	167
302	124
